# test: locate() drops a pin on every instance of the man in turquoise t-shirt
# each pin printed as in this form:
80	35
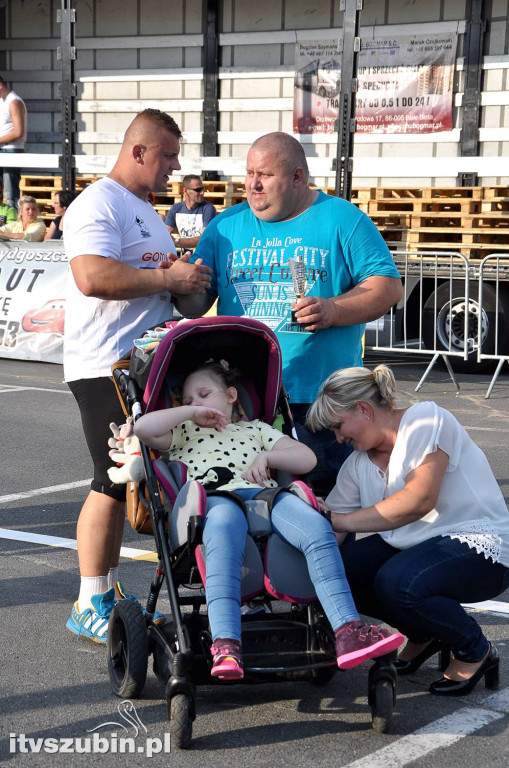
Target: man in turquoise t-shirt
7	212
348	276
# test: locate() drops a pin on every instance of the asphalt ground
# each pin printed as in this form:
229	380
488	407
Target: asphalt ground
56	688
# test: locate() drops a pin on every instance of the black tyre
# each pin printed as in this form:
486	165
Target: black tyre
127	649
444	322
181	721
382	705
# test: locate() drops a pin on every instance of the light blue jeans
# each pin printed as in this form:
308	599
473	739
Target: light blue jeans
224	537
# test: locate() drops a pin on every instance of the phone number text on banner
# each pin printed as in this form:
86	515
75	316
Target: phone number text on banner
405	85
32	304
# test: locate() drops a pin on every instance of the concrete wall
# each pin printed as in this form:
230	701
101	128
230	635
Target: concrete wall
137	53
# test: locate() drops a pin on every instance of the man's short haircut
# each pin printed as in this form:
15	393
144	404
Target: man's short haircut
290	150
157	117
189	177
2	81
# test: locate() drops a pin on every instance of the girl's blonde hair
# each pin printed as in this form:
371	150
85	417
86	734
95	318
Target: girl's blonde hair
343	390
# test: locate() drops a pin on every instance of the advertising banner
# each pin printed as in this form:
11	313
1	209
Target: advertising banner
32	306
405	85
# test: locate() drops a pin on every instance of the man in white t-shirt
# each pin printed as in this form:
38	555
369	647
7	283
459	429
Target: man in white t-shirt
123	270
13	136
190	217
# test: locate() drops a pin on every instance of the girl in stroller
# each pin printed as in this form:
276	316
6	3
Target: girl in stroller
208	428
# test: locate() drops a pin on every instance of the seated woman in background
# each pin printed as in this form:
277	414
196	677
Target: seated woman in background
28	226
61	202
441	524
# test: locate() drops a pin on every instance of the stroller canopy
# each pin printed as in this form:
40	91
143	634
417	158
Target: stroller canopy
248	345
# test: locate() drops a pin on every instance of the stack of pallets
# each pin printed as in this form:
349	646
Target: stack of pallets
471	220
42	188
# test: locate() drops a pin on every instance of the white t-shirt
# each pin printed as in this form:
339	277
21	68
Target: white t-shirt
470	505
108	220
6	124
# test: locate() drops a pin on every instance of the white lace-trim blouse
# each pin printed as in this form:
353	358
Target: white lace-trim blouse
470	505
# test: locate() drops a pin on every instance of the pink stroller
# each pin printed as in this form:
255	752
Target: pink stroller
293	642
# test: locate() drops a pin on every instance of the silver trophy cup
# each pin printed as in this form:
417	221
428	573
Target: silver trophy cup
298	273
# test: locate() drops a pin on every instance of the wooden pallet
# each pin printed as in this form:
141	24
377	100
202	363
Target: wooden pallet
425	204
470	220
491	192
415	193
83	181
235	193
496	205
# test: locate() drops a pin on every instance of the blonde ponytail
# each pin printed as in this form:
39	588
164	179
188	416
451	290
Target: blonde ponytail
343	389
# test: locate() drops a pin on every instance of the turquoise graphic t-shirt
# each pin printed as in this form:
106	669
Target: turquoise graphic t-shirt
339	246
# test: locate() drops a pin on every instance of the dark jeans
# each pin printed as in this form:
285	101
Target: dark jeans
328	451
419	590
11	179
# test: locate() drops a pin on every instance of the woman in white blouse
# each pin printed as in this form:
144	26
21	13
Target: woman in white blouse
440	524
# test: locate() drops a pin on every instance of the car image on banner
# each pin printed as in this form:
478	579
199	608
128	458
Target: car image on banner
33	278
46	319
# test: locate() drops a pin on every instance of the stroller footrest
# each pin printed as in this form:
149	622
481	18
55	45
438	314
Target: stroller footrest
288	663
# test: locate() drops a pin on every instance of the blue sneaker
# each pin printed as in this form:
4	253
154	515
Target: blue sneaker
159	618
93	622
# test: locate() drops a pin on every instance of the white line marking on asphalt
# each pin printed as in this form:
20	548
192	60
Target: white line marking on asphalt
441	733
499	701
48	489
494	606
56	541
7	388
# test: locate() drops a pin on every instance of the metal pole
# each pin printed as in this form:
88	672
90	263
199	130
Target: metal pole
66	53
474	40
210	77
346	115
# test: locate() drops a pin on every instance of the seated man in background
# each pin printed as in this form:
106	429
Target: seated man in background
191	216
7	212
28	226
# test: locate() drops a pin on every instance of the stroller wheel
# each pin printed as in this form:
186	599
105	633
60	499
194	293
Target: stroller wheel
127	649
382	705
181	721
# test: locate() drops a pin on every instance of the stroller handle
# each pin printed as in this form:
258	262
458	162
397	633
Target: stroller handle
129	391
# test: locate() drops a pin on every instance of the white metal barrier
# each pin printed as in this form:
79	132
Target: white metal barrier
494	308
430	320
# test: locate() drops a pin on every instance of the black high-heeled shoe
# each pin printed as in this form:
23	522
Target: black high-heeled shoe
489	669
411	665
